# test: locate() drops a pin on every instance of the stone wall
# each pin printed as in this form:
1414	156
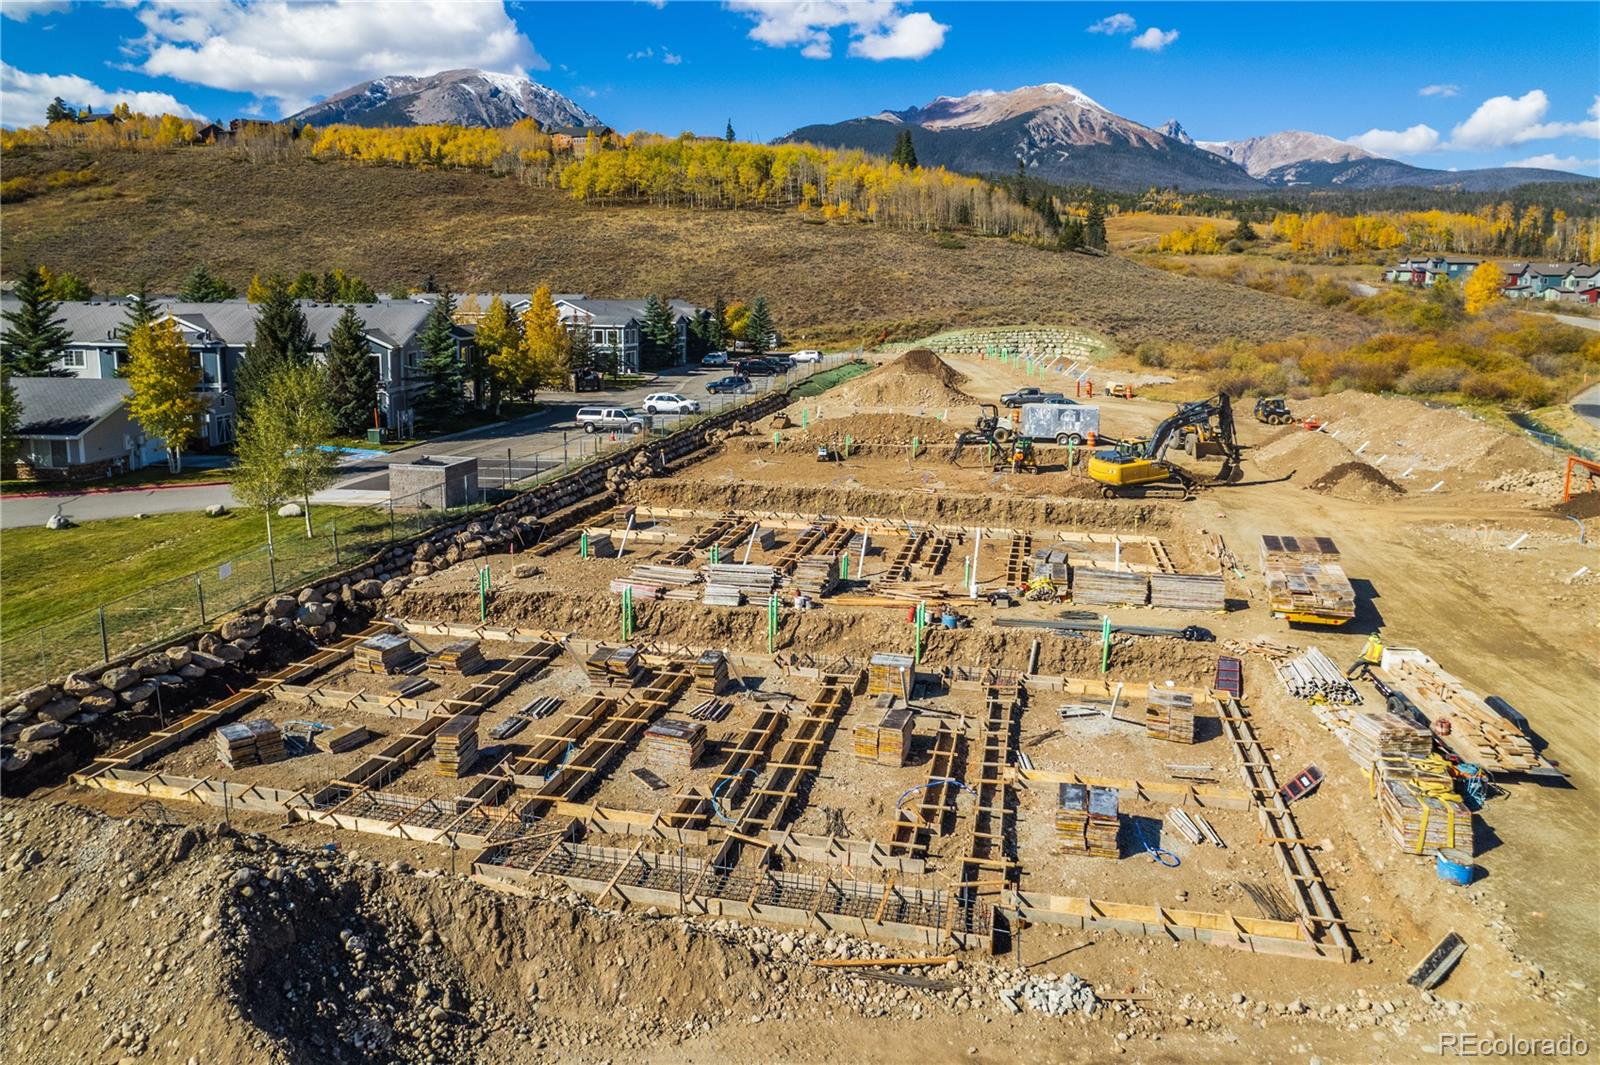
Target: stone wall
1047	341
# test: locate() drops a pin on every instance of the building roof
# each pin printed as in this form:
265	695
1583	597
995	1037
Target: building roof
233	322
66	406
1552	269
621	312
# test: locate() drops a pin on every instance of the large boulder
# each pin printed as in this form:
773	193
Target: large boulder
229	653
290	510
152	665
34	698
216	510
393	586
45	730
209	643
59	709
191	672
308	594
240	628
425	551
206	660
138	693
178	657
120	679
80	684
313	614
367	589
98	701
282	606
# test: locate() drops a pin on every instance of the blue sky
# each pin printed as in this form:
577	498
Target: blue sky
1436	84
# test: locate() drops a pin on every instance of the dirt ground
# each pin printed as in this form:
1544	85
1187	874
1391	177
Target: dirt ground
1433	570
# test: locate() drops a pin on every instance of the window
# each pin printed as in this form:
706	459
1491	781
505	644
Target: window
72	360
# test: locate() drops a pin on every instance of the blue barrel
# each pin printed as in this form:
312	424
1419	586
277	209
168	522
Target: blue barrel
948	619
1453	866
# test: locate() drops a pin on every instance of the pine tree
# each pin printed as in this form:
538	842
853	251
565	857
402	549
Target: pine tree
352	375
717	334
1071	235
328	288
1244	232
1094	227
10	419
658	335
141	311
282	339
727	134
202	286
905	151
33	338
442	397
399	292
1047	211
58	111
581	354
304	286
758	330
498	331
164	384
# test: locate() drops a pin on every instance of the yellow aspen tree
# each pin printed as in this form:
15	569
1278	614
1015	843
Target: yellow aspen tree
163	378
546	344
1483	287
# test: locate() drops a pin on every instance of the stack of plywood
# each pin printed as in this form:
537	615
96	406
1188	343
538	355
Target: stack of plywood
673	744
1371	736
816	576
1072	817
1476	732
1418	804
1304	578
1051	563
888	742
656	582
711	673
455	745
386	653
1105	587
343	738
460	658
614	666
1169	715
1188	591
891	674
727	584
1088	820
250	743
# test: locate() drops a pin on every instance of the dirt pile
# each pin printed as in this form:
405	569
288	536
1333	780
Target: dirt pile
1412	435
1309	456
1356	481
882	429
917	379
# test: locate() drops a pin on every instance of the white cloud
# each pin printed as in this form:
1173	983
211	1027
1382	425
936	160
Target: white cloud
1439	90
24	97
880	29
1552	161
1417	139
1121	22
671	59
23	10
1503	120
293	52
643	53
1153	40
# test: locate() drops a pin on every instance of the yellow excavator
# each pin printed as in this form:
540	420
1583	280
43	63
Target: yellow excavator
1138	468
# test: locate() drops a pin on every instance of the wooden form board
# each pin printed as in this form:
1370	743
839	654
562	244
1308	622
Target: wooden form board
1173	793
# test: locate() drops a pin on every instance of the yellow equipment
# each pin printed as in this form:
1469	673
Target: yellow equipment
1138	469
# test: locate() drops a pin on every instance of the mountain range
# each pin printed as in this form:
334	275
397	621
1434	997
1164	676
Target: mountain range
1060	134
453	97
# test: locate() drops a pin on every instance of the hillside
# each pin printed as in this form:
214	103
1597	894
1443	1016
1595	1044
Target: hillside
156	213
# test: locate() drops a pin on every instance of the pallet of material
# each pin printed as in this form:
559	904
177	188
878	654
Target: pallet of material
754	581
609	666
385	653
1188	591
1072	816
1476	733
248	743
1307	586
1230	676
710	672
888	742
1369	737
816	576
1104	587
674	745
1088	820
460	658
455	745
1284	546
891	674
722	595
1169	715
342	738
1418	804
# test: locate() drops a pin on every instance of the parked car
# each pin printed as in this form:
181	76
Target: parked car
587	381
756	368
612	419
714	358
670	403
808	355
1023	396
781	363
732	383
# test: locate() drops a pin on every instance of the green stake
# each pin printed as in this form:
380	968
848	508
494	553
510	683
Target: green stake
1105	644
583	545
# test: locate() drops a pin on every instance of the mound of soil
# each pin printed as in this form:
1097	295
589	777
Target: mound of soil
1310	456
1413	435
917	379
1356	481
883	429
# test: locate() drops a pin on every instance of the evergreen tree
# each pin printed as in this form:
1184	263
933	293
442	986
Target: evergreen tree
581	353
58	111
141	311
758	330
1244	232
658	335
1071	235
1047	211
717	329
355	290
328	288
1094	227
304	286
33	337
442	397
352	375
202	286
10	418
399	292
429	284
905	151
727	134
283	339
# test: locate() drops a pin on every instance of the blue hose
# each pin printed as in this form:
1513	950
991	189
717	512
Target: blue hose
932	782
716	808
1157	854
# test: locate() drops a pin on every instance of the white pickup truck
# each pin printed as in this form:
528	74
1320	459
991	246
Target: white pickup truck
612	419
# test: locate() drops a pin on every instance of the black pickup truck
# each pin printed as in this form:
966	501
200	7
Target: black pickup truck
1023	396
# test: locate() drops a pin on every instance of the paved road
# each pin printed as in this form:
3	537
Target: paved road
1586	405
89	506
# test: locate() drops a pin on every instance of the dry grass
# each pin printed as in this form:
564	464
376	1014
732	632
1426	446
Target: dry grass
156	213
1140	229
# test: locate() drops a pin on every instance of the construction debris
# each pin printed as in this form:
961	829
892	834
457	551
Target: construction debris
1461	718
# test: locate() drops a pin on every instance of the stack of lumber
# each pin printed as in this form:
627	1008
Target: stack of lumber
460	658
710	672
729	584
1188	591
673	744
888	742
1418	804
1105	587
1313	676
455	745
816	576
1088	820
1304	577
386	653
891	674
614	666
1051	563
1169	715
656	582
600	545
343	738
712	710
1369	737
543	706
1476	732
250	743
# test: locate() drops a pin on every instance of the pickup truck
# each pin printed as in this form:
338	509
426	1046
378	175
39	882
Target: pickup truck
1023	396
612	419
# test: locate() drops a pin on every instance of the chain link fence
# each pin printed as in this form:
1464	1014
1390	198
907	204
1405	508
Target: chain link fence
342	536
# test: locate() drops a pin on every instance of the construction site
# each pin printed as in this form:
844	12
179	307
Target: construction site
882	716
